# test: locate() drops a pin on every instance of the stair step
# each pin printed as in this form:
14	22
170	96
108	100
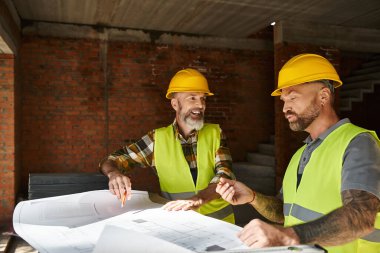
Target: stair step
367	85
266	149
345	104
261	184
355	94
361	81
258	177
362	77
249	169
371	64
260	159
265	185
366	70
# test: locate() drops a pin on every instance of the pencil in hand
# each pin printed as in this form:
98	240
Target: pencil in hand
123	198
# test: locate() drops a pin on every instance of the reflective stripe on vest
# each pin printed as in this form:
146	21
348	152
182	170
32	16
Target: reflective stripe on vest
373	237
221	213
319	191
174	173
301	213
307	215
175	196
286	210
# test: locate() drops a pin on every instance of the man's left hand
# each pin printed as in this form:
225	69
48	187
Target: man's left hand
259	234
185	204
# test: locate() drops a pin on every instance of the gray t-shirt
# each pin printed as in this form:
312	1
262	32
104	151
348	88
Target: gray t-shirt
361	161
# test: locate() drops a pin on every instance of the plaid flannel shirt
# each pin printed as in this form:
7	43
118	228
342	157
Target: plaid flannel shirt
141	154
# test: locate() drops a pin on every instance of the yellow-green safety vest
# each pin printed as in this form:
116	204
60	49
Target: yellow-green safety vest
174	174
319	191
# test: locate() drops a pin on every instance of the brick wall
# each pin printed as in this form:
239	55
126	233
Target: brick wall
140	75
63	117
85	98
7	140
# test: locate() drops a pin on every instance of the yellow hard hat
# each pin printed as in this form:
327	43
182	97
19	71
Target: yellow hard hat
305	68
188	80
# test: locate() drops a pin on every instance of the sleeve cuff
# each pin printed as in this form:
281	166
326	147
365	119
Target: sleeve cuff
219	175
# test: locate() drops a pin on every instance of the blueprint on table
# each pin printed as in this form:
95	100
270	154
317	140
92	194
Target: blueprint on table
74	223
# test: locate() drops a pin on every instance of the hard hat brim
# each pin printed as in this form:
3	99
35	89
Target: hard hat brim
168	95
278	91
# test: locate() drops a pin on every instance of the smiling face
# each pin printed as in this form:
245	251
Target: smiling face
302	105
190	108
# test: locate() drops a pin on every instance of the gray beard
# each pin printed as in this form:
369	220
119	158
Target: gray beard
193	124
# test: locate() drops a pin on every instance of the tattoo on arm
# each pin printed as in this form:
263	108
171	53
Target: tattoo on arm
353	220
270	207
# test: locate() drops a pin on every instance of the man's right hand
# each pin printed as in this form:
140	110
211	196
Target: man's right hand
234	192
119	184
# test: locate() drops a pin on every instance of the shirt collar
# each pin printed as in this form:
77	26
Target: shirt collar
323	135
179	136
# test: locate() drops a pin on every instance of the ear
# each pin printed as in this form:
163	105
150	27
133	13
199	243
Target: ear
174	103
325	96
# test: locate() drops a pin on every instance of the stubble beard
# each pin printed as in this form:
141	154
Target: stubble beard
306	118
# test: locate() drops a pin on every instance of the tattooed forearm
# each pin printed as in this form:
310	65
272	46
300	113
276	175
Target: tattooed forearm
355	219
270	207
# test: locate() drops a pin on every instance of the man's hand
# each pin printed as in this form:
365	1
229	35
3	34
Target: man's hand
193	203
259	234
119	184
234	192
186	204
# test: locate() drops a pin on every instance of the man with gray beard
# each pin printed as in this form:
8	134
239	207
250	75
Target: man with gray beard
188	156
331	189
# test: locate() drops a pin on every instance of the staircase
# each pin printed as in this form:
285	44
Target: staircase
259	174
360	82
